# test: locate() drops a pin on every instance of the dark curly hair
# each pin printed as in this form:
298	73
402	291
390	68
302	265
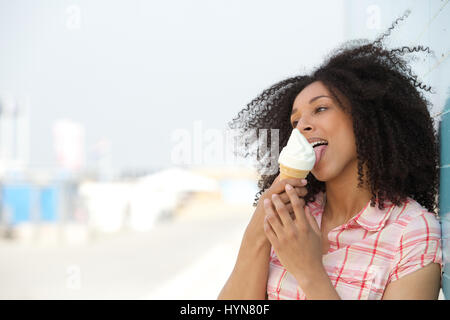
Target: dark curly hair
394	132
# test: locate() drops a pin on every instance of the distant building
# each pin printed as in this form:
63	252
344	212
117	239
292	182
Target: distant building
69	144
14	134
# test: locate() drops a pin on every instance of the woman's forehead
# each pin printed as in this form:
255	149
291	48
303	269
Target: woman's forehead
311	91
309	94
315	91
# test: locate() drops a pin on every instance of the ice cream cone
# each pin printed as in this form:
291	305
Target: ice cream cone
286	172
297	158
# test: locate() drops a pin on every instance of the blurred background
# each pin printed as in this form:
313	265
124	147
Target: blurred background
117	173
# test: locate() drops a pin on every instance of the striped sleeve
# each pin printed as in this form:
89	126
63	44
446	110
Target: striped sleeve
419	246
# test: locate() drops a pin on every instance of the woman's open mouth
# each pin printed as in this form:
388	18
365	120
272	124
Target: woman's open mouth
319	149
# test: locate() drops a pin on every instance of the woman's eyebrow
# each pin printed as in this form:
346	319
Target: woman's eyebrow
315	98
311	101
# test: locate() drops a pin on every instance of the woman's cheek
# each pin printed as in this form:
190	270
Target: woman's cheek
330	168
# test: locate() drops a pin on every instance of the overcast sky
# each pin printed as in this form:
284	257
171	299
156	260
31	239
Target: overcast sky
134	71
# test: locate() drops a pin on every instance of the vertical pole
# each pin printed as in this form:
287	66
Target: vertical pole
444	195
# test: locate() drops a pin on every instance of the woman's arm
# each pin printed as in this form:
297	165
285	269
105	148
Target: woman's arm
248	279
423	284
416	272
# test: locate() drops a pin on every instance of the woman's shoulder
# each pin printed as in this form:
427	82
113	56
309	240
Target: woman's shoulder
414	218
417	237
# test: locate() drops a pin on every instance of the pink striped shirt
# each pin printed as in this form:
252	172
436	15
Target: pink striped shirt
372	249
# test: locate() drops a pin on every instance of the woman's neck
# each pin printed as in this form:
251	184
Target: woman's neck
343	198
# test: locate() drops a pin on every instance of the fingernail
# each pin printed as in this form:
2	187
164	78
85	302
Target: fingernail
266	202
288	186
304	181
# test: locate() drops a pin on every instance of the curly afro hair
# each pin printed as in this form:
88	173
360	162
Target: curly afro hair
394	132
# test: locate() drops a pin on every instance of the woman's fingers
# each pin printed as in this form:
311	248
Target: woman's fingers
279	186
301	192
297	205
282	210
272	217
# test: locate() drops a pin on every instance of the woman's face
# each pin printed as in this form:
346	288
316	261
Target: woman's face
318	116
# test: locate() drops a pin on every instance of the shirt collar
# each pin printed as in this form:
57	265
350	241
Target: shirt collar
370	218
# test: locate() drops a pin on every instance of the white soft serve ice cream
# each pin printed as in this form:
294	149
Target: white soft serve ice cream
298	153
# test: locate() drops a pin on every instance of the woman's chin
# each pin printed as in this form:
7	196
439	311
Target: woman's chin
320	174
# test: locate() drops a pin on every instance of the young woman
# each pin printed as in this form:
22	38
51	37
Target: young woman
363	224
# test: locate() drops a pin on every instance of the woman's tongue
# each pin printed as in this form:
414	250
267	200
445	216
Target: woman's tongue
319	151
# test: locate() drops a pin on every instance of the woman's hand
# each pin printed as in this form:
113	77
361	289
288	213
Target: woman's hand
256	225
297	242
249	277
279	187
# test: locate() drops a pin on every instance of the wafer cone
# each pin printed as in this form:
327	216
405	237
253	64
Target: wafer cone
286	172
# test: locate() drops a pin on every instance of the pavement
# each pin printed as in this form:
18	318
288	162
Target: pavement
188	258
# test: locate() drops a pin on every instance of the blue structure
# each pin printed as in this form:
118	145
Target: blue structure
27	202
16	203
444	192
48	203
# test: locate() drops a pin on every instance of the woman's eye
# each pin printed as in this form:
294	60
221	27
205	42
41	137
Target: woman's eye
320	109
317	110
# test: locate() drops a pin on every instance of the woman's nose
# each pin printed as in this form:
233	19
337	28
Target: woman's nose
304	126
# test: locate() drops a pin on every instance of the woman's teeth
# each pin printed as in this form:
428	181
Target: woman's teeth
319	143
